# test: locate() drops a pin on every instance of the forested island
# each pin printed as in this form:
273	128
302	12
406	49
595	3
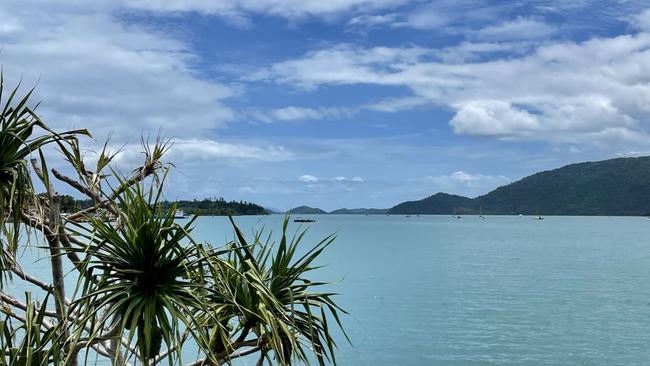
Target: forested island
204	207
618	186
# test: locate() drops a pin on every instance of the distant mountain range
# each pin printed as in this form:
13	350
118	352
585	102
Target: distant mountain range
610	187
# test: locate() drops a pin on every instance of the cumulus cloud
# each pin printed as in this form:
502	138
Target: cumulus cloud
492	118
594	91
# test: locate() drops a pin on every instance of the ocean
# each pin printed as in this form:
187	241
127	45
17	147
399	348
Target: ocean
435	290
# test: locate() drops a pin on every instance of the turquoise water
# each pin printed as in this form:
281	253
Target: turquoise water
434	290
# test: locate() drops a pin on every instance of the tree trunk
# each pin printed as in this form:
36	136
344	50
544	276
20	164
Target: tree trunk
57	268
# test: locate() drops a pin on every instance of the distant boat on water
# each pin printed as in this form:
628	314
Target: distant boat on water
303	220
179	214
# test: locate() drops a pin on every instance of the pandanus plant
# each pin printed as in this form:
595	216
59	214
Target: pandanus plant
149	281
142	277
145	287
18	123
266	301
29	339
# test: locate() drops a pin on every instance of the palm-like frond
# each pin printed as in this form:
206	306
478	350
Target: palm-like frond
17	126
27	340
142	275
265	290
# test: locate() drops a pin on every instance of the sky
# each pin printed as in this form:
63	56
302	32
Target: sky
340	103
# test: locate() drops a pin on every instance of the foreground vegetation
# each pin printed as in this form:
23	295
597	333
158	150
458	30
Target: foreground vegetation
146	289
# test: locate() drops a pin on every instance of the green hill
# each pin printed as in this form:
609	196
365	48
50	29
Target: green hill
439	203
204	207
306	210
219	207
609	187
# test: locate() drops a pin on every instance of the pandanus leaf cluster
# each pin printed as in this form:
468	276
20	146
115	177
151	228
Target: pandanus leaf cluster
146	289
18	124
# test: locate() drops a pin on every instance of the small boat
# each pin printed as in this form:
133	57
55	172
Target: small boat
456	215
538	218
179	214
303	220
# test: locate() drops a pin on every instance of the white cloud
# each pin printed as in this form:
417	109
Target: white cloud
471	51
238	10
187	152
642	20
308	178
596	91
372	20
195	149
445	13
340	179
294	113
517	29
492	118
96	72
461	182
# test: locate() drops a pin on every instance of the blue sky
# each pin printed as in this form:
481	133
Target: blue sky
341	103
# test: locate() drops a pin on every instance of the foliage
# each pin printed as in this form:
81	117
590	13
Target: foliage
17	143
217	207
439	203
145	287
26	343
266	290
143	272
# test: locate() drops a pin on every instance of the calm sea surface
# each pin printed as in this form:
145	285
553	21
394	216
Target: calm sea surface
434	290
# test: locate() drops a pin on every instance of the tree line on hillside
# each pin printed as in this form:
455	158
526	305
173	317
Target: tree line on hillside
217	207
204	207
618	186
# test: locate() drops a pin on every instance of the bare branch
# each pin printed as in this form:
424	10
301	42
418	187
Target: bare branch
21	305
